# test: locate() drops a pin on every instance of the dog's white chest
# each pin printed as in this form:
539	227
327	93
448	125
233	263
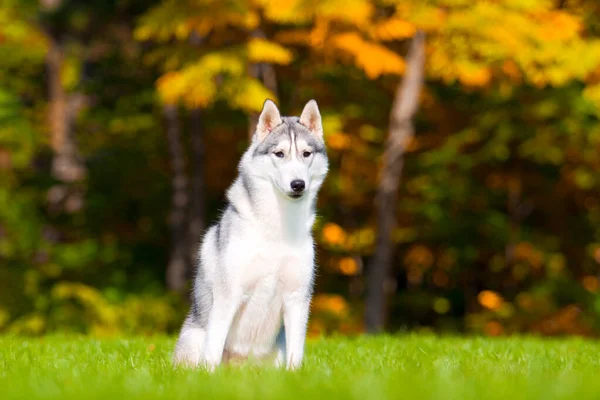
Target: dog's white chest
279	267
265	281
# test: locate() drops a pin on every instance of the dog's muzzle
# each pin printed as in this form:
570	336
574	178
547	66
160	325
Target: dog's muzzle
298	187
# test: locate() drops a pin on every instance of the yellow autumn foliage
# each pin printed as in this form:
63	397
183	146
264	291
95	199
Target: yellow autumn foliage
169	19
245	93
338	141
591	283
286	11
32	324
527	252
357	16
261	50
175	86
470	74
77	307
558	25
592	93
394	28
372	58
357	12
490	299
533	42
331	303
419	255
348	266
194	84
334	234
14	30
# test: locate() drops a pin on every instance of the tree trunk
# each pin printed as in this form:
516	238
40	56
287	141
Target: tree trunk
401	130
67	166
266	73
179	258
197	221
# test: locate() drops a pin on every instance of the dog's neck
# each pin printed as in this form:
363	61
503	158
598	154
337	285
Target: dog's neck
296	216
275	215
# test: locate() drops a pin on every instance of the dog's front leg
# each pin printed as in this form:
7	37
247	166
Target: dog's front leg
219	322
280	349
295	318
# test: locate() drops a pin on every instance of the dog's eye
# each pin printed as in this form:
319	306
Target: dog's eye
306	154
279	154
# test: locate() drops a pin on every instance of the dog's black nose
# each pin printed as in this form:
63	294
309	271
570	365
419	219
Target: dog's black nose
297	185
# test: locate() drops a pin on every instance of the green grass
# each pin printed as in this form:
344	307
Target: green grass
407	367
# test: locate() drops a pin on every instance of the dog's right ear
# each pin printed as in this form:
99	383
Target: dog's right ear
269	118
311	118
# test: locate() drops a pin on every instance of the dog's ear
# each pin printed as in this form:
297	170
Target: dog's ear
269	118
311	118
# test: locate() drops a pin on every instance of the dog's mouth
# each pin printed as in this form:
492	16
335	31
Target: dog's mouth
295	196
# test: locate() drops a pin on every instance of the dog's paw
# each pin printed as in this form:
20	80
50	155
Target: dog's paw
208	365
293	366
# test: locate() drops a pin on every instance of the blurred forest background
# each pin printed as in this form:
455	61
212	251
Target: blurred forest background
122	123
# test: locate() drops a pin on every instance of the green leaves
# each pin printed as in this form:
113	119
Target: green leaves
17	135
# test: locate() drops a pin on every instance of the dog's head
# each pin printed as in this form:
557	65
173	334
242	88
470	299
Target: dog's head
290	151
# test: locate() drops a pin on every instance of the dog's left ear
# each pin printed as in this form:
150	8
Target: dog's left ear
269	118
311	118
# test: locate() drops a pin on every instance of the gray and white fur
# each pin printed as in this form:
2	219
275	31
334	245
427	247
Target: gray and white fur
254	278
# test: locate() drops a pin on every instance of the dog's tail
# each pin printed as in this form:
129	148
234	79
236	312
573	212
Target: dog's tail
188	350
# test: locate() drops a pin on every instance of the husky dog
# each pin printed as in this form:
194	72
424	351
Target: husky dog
255	273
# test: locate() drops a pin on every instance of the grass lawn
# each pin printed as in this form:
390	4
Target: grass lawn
406	367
